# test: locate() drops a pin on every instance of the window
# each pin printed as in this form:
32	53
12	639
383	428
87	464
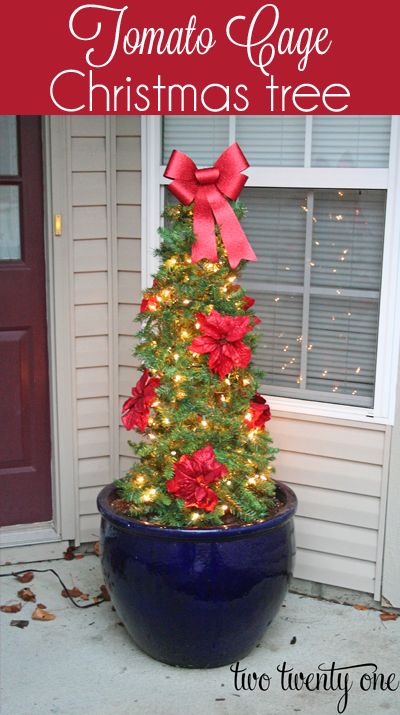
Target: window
321	208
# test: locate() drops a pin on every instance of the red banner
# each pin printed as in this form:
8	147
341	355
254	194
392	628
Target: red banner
238	57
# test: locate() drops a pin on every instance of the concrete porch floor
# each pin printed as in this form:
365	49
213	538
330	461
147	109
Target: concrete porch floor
85	662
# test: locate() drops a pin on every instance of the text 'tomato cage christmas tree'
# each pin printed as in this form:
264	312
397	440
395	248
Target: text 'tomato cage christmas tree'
206	459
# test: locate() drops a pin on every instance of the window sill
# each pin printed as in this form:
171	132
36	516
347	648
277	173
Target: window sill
323	410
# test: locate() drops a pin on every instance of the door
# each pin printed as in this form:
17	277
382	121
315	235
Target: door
25	476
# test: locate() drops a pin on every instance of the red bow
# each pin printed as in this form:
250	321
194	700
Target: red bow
208	189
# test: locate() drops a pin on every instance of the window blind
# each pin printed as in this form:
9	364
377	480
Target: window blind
351	141
272	141
202	137
323	347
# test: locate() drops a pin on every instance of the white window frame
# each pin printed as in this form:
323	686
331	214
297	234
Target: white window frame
306	177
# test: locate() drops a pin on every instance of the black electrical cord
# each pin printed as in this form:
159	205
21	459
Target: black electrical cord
78	605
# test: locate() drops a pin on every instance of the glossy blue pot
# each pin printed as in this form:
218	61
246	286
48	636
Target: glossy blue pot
198	598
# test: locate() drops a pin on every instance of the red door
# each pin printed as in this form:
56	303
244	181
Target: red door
25	478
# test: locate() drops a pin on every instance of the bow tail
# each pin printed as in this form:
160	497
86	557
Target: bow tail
234	238
204	229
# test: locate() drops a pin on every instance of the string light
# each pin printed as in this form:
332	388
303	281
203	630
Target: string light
248	417
195	516
223	398
178	378
140	479
171	261
173	453
197	326
227	381
184	334
166	421
204	423
152	436
224	507
156	403
166	293
232	279
186	301
176	356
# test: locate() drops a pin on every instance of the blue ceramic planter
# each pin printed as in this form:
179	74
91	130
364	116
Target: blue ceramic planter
198	598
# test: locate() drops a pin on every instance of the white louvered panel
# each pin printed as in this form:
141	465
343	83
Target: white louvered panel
87	500
128	221
335	570
93	412
90	255
91	320
89	528
89	222
125	348
90	288
202	137
88	154
128	126
272	141
328	440
89	126
91	351
94	442
125	464
128	154
89	188
329	505
125	435
351	141
128	187
328	473
92	382
128	254
129	289
126	315
93	472
339	539
128	377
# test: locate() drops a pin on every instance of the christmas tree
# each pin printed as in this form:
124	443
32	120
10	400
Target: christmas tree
206	457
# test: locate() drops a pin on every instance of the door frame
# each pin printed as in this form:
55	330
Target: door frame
49	539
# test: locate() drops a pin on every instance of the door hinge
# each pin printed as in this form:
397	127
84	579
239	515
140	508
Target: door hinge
57	225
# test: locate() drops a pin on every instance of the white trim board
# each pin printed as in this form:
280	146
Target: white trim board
389	328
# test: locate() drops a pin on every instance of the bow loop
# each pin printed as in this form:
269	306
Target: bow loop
208	189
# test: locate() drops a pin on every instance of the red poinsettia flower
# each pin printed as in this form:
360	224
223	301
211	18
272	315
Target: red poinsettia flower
136	409
193	474
248	302
259	412
148	303
222	339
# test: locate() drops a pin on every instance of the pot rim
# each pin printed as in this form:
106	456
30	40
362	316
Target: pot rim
127	523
